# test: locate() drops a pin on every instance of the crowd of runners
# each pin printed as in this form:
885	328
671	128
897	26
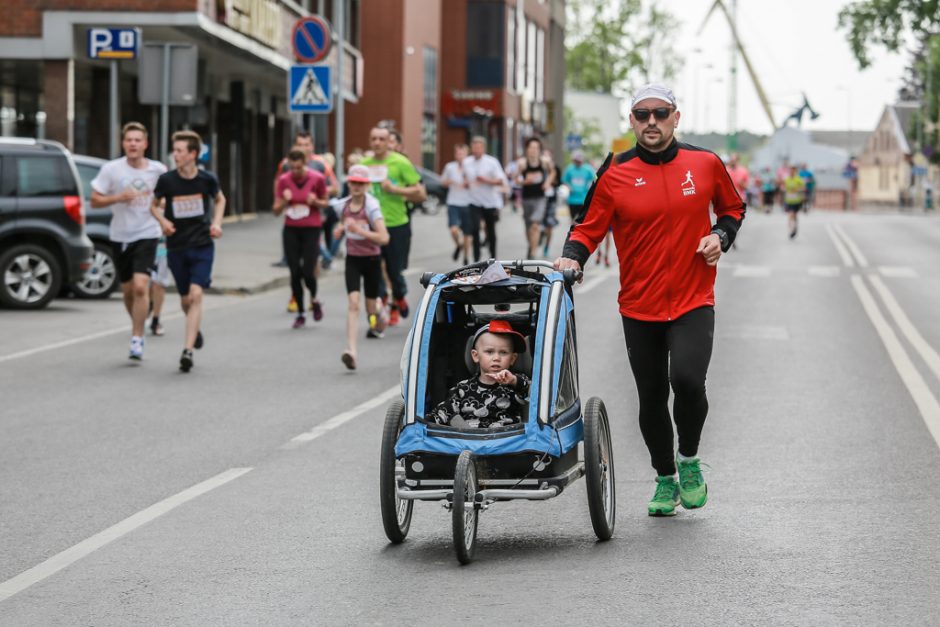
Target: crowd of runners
165	223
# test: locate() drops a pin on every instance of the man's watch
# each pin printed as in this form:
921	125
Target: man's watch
722	237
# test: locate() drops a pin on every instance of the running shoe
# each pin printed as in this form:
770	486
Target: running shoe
349	360
156	328
393	317
374	333
292	305
299	322
199	341
545	251
403	306
457	252
317	310
666	498
186	360
692	489
137	349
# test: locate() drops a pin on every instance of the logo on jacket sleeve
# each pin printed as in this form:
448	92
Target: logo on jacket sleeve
639	182
688	185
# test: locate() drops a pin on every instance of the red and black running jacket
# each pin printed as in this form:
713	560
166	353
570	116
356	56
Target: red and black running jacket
657	205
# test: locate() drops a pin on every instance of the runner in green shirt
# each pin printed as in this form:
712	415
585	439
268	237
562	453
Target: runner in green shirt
394	180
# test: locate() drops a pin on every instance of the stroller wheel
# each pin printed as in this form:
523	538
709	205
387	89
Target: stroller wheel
396	512
599	469
465	514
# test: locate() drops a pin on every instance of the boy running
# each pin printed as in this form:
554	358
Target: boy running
360	217
126	186
191	219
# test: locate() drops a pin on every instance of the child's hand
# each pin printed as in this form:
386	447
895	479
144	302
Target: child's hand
504	377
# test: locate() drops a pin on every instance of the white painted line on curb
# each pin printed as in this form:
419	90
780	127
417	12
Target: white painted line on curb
340	419
840	247
856	251
71	555
926	402
925	350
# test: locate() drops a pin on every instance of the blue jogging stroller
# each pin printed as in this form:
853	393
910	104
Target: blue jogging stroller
470	469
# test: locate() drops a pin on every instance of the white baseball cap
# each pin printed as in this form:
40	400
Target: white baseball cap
654	90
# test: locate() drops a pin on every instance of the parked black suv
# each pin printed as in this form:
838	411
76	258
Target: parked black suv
101	278
43	244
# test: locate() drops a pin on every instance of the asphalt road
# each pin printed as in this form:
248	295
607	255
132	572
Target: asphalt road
824	504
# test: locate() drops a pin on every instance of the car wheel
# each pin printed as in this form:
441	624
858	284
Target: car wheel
101	278
30	277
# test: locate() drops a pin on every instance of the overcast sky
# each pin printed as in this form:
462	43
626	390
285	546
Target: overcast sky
795	47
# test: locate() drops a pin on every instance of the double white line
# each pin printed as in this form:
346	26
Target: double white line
926	402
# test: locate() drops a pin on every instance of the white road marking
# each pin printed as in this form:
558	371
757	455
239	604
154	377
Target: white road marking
923	348
898	272
340	419
859	257
71	555
825	271
596	280
926	402
751	271
840	247
124	328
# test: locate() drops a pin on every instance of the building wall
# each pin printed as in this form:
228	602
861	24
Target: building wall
23	18
882	165
382	51
603	109
422	28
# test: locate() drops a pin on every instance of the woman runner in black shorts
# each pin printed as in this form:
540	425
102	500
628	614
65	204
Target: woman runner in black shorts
360	216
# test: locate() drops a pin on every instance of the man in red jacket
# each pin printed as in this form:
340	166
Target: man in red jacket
656	197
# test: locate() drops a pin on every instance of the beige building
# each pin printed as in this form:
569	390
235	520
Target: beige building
890	170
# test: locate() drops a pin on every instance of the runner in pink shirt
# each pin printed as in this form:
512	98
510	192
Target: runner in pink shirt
300	194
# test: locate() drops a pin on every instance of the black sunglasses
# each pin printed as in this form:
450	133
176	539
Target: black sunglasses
660	113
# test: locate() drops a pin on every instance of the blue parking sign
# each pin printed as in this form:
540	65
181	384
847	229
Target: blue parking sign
310	89
113	43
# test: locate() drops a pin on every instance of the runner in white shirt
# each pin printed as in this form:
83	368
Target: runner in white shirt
126	186
458	202
487	182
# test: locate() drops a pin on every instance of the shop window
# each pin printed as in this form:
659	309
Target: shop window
430	80
485	42
511	50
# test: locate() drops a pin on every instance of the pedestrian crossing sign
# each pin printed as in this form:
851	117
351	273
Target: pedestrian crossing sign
310	89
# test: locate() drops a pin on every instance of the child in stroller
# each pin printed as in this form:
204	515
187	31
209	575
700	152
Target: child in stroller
496	397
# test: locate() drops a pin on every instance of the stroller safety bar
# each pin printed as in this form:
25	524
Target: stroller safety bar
423	495
531	495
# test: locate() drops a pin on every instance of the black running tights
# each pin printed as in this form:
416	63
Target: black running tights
676	352
302	248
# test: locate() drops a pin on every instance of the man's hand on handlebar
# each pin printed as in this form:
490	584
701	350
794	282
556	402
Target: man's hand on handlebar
564	263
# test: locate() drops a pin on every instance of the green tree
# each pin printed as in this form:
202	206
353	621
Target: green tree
886	23
612	45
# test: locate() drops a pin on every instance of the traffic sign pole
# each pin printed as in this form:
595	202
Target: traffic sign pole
339	107
114	146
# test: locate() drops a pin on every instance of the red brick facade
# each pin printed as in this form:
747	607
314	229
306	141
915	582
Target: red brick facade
23	18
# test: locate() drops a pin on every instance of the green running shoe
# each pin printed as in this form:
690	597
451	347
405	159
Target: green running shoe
692	489
666	498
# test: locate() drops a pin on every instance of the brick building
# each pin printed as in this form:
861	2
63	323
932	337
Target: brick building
50	88
441	71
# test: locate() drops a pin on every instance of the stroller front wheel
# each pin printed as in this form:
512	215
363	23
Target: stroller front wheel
465	514
599	469
396	512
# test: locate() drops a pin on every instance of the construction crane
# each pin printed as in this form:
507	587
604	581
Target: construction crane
761	95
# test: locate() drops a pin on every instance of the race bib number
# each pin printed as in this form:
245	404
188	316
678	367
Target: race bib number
298	212
188	206
378	173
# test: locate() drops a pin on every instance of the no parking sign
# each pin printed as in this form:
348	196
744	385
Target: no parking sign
311	39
